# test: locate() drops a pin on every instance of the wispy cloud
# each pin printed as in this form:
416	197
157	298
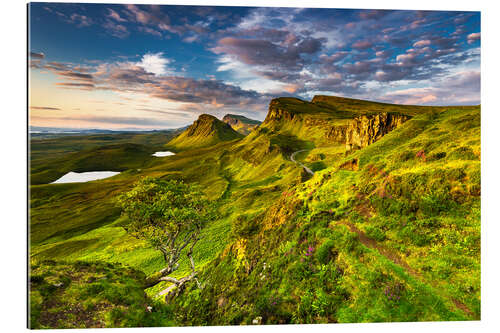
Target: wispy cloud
48	108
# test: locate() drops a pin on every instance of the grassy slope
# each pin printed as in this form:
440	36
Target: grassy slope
418	259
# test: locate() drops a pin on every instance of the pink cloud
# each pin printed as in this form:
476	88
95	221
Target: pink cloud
473	37
420	43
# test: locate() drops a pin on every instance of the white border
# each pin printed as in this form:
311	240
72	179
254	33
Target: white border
13	162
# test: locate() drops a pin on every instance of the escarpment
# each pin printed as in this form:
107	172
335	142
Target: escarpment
325	123
365	130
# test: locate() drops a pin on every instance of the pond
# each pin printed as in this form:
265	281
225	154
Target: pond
163	153
82	177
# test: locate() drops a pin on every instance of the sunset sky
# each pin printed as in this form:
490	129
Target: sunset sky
155	67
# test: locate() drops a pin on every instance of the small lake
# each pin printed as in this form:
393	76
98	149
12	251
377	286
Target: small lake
82	177
163	153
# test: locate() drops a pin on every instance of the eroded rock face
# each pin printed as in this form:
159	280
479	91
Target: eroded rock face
356	133
365	130
276	113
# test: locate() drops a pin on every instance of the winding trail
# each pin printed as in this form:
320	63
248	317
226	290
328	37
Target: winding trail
292	158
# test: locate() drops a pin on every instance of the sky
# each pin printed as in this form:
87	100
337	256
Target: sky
128	66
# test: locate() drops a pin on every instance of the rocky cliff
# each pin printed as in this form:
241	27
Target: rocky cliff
325	124
365	130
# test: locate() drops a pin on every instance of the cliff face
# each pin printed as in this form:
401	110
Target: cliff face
278	113
365	130
325	125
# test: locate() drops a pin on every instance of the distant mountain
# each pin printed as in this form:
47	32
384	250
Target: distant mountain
63	130
205	131
59	130
240	123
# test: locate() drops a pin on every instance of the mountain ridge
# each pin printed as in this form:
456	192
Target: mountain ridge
207	130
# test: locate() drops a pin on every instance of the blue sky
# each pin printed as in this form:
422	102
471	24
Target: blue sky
122	66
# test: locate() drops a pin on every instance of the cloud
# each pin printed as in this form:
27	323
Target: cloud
362	45
115	16
80	20
150	31
34	55
115	29
264	52
421	43
471	38
76	76
373	14
48	108
75	85
154	63
168	113
461	88
337	56
134	121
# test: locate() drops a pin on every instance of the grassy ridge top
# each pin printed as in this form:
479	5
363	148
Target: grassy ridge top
346	108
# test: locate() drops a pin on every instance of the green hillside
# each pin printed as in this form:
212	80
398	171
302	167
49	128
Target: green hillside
205	131
389	233
388	230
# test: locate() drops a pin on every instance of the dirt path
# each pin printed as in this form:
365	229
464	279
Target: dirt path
292	158
398	260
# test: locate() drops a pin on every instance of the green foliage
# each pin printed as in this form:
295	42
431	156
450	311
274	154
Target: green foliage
159	211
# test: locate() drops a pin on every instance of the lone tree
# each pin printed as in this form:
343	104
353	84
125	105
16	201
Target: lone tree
169	215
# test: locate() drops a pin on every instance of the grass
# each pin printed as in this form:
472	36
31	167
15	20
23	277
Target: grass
278	249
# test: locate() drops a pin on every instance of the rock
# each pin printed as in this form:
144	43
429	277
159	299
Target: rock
365	130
